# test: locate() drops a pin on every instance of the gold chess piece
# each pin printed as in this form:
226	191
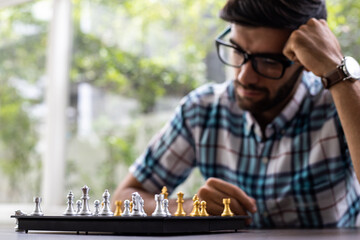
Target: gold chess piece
227	211
165	192
180	209
118	211
196	210
194	199
203	212
131	206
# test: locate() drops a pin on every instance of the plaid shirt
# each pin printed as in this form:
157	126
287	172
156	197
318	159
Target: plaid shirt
300	173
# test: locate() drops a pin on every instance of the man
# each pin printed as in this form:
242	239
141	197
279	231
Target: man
274	139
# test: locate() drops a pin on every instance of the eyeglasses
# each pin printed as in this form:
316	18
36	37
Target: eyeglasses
267	65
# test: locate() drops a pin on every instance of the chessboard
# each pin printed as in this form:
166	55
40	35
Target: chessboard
149	225
132	220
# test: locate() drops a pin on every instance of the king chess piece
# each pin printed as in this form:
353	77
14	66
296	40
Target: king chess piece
106	211
85	210
37	211
70	211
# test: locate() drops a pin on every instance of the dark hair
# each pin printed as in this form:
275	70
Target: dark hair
287	14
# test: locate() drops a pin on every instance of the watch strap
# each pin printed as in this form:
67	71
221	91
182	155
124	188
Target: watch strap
333	77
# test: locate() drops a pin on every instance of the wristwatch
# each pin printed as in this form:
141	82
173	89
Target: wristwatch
349	68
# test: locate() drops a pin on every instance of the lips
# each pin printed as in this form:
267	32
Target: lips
249	93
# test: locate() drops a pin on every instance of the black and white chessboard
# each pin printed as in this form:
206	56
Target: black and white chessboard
130	225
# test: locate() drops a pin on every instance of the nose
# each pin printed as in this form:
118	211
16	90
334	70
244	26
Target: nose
246	74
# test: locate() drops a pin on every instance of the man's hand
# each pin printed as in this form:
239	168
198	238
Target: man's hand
315	47
216	189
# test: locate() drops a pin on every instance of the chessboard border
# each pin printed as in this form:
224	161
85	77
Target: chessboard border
130	225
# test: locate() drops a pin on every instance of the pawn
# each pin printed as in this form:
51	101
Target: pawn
203	212
180	209
194	199
127	211
37	211
196	209
131	206
166	207
96	207
106	211
227	211
142	211
118	211
78	206
70	211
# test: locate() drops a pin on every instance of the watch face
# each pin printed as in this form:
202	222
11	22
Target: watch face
352	67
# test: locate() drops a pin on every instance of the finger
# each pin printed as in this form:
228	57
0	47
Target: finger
214	203
213	199
232	191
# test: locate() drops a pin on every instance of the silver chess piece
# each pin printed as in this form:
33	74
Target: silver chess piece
106	211
166	207
96	207
142	211
85	210
37	211
78	206
70	211
159	209
126	212
136	210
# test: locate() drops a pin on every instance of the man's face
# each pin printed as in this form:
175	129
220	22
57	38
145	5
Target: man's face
256	93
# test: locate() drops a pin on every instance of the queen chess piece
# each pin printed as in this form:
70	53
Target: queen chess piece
85	210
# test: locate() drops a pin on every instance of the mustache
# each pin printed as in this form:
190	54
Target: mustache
250	86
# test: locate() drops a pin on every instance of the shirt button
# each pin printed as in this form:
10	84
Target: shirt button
265	160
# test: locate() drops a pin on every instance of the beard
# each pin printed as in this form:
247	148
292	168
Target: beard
266	103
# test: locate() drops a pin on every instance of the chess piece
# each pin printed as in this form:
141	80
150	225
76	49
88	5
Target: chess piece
166	207
127	211
196	209
194	199
203	212
78	206
70	211
136	209
96	208
37	211
159	210
227	211
85	210
118	211
180	209
165	192
106	211
142	211
131	206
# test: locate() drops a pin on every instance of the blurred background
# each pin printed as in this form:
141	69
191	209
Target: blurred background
84	85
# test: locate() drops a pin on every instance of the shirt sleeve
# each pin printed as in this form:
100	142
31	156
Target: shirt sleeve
169	157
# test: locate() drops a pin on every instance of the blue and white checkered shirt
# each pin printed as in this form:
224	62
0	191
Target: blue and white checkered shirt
300	173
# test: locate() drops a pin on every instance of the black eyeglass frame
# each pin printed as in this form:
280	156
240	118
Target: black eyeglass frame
248	57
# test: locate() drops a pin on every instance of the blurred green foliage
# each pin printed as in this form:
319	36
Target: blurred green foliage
184	31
